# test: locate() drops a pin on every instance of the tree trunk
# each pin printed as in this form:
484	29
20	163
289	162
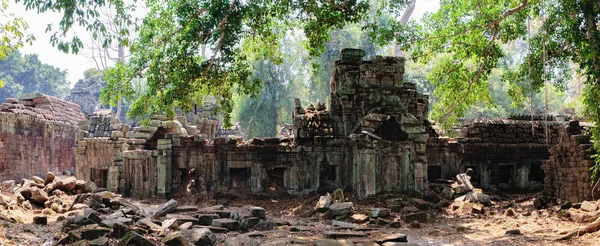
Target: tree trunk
403	20
121	54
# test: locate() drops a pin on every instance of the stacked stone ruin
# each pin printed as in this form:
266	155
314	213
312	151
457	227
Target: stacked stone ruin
86	94
503	153
568	169
37	134
372	140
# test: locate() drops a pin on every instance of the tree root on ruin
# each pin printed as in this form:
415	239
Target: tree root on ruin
589	228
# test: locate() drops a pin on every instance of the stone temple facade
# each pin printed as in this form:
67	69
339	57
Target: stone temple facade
37	134
371	139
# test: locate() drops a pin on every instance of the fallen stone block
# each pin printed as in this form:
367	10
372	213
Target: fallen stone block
396	237
240	240
339	234
589	206
134	238
421	217
199	236
342	208
226	223
165	208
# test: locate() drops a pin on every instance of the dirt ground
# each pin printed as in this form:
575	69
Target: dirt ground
447	226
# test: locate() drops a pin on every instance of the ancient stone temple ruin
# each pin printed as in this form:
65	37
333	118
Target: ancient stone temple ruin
502	153
372	138
86	94
568	169
37	134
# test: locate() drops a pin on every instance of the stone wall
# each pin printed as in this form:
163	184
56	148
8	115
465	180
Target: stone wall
37	134
503	153
568	169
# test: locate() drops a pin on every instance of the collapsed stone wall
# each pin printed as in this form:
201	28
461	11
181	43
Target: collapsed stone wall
568	169
86	94
503	153
37	134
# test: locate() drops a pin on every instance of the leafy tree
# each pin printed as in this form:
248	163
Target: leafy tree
26	74
91	72
173	33
263	115
12	34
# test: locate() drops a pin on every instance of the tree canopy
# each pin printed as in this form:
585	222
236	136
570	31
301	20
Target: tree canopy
26	74
12	33
167	50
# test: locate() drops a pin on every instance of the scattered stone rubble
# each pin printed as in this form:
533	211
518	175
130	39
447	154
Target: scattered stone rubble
92	217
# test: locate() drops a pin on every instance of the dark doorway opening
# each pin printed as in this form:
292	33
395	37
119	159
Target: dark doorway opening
505	174
275	179
391	130
327	177
536	173
434	172
238	178
99	177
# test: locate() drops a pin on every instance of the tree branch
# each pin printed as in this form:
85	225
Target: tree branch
478	76
220	42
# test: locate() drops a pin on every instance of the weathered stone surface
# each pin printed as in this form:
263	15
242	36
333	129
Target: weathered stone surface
120	230
43	126
175	239
384	238
338	235
344	225
199	236
37	179
379	212
343	208
331	242
149	225
226	223
419	216
240	240
589	206
101	241
249	222
185	226
8	186
359	218
39	196
134	238
265	226
206	219
257	212
93	231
